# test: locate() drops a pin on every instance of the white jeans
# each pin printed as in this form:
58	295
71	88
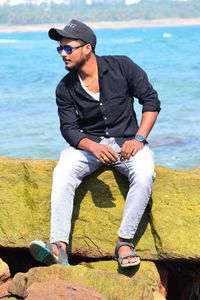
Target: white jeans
75	164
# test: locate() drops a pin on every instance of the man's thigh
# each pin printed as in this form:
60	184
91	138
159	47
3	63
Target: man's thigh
77	162
142	163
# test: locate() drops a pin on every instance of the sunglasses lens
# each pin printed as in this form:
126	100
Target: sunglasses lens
59	49
67	49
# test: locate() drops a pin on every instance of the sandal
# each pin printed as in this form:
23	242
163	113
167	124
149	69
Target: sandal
43	252
121	258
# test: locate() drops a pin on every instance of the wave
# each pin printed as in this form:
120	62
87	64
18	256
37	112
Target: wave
9	41
128	40
121	41
167	35
174	141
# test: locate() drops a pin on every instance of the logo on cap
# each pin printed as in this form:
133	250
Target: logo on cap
71	25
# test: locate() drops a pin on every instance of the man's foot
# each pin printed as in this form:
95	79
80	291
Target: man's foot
48	253
126	255
55	248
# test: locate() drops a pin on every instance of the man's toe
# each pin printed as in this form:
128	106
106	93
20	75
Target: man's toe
125	261
132	259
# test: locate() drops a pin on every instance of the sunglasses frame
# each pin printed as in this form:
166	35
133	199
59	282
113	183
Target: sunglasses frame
68	49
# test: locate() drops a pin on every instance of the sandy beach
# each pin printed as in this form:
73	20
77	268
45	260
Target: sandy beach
114	25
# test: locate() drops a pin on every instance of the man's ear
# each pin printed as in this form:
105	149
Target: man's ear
88	48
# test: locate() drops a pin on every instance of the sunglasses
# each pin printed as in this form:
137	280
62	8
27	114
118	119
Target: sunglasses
68	49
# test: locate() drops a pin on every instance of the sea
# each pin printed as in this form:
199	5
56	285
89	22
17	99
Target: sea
30	69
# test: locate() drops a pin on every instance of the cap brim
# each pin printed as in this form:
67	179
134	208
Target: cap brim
58	34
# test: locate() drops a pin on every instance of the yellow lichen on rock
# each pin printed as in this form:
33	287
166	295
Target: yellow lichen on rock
169	228
175	214
110	285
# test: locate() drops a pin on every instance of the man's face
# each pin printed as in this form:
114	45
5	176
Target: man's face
77	57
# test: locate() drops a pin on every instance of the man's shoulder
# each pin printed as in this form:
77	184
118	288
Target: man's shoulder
115	58
66	82
121	62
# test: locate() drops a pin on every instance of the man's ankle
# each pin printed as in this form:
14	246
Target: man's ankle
124	240
55	247
64	246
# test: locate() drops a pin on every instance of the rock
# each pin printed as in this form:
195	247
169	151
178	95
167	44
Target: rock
158	296
147	273
61	289
170	231
26	186
4	271
109	285
10	298
4	289
175	214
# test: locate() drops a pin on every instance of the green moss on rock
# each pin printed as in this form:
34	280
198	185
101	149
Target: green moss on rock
175	214
111	286
146	273
169	229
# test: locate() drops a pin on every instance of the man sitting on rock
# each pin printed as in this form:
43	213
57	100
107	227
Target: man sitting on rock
98	121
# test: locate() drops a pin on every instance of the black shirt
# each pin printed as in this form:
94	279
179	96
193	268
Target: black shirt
120	80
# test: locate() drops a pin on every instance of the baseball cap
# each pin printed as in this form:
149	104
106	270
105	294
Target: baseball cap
74	30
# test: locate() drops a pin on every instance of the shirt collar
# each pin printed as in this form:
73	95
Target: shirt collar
102	65
102	68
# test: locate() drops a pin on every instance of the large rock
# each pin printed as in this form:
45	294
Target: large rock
170	231
108	284
99	202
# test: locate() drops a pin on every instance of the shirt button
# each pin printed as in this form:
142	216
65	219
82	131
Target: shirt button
101	103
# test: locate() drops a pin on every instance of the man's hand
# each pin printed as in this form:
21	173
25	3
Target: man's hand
104	153
130	148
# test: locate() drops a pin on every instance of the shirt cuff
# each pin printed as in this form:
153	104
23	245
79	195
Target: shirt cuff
74	137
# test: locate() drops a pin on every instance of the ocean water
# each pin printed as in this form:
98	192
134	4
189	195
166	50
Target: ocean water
30	69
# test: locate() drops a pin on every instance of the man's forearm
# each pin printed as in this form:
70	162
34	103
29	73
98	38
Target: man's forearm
147	123
86	144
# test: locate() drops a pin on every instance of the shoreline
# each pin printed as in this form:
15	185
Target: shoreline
175	22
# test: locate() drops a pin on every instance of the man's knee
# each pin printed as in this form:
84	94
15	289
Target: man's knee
146	178
143	177
144	167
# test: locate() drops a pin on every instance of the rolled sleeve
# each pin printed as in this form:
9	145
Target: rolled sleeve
69	125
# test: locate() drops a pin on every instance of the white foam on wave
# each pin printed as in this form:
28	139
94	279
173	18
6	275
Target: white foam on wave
122	41
8	41
128	40
167	35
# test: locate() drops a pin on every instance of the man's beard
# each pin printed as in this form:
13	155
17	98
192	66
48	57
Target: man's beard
76	67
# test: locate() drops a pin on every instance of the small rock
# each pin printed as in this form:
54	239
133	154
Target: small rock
4	289
4	271
61	289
